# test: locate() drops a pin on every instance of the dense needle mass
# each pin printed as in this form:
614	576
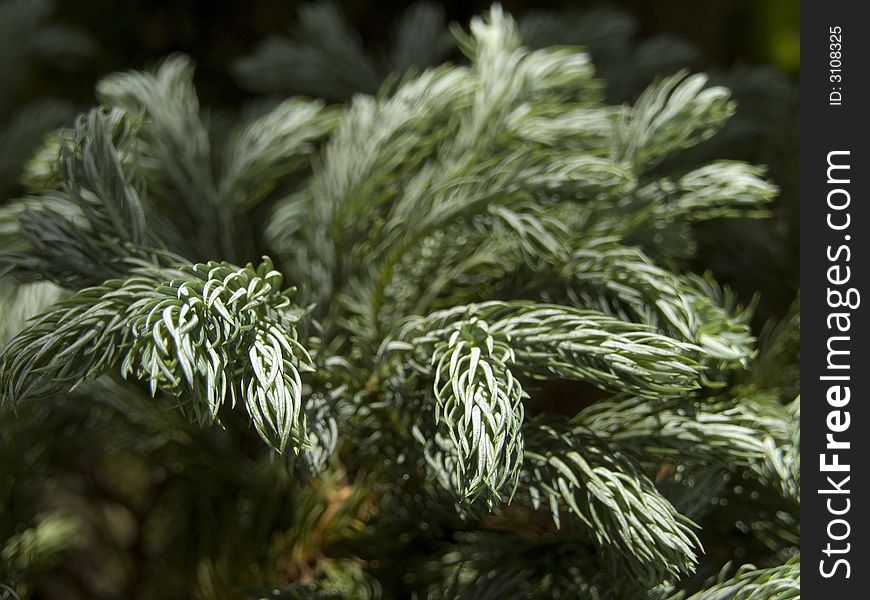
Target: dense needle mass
459	244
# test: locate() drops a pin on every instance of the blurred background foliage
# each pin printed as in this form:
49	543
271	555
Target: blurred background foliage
136	33
107	491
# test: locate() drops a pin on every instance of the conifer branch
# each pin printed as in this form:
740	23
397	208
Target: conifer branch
775	583
478	448
569	467
208	333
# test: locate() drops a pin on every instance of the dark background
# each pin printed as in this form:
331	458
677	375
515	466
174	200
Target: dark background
134	34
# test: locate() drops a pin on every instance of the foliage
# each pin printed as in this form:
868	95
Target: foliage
495	372
28	38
